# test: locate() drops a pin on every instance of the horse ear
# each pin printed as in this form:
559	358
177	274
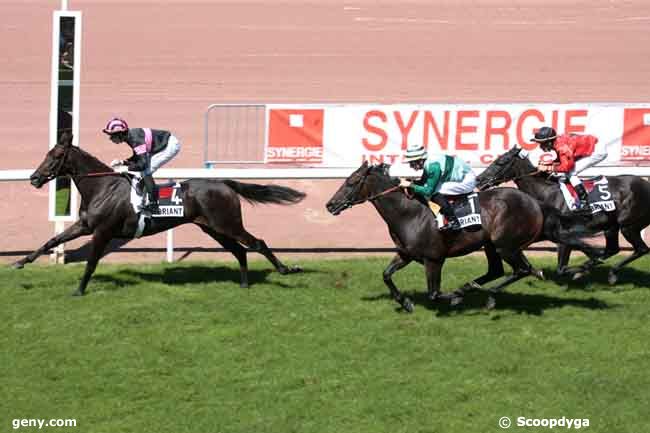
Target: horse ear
65	139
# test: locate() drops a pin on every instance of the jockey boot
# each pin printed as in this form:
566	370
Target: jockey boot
583	204
448	211
152	194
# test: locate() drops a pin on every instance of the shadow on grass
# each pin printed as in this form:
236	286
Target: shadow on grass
196	274
475	301
597	278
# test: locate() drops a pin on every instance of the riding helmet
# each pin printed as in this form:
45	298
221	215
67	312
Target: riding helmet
544	134
115	126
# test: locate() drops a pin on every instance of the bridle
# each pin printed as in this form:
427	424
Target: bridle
349	203
496	180
55	173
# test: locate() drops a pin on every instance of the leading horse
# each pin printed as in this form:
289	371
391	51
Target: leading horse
631	195
511	220
106	211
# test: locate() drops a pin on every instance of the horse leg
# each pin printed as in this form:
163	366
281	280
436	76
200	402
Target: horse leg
74	231
260	246
495	270
99	242
633	236
233	247
563	256
398	262
521	268
433	270
612	246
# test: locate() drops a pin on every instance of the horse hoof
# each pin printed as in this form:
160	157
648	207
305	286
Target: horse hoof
539	274
408	305
243	285
578	275
491	303
612	278
77	293
290	270
456	300
18	265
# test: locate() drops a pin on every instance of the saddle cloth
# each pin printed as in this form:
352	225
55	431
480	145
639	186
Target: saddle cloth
170	199
600	199
466	207
170	203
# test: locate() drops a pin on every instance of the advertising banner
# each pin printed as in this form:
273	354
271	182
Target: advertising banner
346	135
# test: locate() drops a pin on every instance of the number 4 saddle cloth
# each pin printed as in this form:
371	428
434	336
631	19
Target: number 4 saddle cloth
466	207
600	199
170	201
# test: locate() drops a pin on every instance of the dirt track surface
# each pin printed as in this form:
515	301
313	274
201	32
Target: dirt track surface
161	63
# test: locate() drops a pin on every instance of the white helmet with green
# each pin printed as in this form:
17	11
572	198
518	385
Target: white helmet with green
415	153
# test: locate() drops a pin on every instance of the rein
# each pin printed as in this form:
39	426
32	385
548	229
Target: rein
532	173
388	191
102	173
493	180
375	197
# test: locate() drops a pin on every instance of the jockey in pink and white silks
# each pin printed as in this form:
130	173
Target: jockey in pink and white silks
152	148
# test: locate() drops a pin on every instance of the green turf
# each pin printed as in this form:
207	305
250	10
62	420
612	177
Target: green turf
62	203
181	348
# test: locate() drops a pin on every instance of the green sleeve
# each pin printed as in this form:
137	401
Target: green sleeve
432	174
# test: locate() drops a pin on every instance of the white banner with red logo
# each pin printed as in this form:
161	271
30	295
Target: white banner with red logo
346	135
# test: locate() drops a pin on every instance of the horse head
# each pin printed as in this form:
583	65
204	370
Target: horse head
505	168
54	164
359	187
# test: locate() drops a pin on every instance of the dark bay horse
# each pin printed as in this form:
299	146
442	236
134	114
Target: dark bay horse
511	220
630	193
106	211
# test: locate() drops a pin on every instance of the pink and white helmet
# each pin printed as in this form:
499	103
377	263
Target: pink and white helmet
115	125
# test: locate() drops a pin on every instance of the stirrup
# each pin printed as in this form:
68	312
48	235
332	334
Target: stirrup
151	208
582	207
452	226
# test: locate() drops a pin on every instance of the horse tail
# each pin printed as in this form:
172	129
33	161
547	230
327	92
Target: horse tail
254	193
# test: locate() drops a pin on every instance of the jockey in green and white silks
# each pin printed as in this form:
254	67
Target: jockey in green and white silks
443	175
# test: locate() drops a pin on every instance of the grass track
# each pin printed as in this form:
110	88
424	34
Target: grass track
181	348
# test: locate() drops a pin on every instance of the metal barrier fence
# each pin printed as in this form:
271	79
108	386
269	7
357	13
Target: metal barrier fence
234	134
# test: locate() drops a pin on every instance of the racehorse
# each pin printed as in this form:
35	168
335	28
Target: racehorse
511	220
631	195
106	211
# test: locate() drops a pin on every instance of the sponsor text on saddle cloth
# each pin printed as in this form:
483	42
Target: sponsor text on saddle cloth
600	199
467	209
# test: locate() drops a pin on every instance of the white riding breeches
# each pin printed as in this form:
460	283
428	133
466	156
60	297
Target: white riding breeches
598	155
465	186
162	158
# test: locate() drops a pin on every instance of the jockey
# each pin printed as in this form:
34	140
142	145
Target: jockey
443	175
575	153
151	149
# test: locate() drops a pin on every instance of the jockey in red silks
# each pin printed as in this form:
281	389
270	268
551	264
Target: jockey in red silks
151	149
575	153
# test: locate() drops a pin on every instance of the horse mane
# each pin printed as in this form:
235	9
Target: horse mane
91	162
382	170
